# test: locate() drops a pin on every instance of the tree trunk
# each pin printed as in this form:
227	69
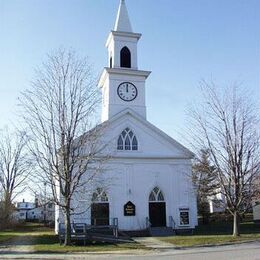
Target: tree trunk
67	240
7	212
236	222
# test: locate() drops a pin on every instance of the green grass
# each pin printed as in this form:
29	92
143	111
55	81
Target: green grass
22	230
186	241
56	248
49	243
43	240
216	234
4	236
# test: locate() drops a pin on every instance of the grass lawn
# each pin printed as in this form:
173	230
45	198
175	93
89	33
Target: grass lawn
38	238
5	236
29	229
49	244
216	234
42	239
56	248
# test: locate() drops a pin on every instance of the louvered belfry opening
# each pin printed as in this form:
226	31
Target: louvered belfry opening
125	58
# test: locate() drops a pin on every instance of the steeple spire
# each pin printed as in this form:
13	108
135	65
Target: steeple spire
122	21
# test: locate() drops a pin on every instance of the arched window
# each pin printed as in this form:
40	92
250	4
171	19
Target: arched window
156	195
99	196
125	58
127	141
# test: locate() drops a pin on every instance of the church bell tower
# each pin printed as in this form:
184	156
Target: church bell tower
122	83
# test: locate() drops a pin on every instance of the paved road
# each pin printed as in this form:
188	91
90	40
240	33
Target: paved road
239	252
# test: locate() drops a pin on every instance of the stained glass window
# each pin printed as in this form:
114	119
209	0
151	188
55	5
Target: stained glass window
156	195
127	141
99	196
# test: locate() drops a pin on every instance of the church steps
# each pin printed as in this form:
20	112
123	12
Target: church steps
162	231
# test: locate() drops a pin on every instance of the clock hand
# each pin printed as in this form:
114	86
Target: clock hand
127	88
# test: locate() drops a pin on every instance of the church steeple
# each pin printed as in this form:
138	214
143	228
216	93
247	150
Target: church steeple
122	20
122	83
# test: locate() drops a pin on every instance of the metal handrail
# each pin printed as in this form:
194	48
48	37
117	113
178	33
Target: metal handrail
148	223
115	221
172	222
83	227
115	229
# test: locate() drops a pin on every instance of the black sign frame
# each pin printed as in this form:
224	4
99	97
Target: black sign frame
129	209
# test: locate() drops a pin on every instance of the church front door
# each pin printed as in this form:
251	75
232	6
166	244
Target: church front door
157	208
157	214
100	214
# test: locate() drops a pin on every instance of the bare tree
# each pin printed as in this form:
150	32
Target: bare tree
15	166
59	111
227	125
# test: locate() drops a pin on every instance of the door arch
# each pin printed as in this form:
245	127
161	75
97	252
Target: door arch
100	208
157	208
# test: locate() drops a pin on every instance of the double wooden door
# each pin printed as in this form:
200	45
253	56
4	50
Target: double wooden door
100	214
157	214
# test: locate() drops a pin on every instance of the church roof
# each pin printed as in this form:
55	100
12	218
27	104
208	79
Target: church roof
183	153
187	154
122	21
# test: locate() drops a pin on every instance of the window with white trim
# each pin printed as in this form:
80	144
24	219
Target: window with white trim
127	141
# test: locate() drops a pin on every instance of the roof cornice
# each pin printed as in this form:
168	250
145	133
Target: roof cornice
122	34
122	71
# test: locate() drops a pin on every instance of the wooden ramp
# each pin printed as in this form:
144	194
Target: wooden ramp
88	233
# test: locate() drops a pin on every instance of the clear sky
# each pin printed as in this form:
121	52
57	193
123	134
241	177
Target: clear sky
184	41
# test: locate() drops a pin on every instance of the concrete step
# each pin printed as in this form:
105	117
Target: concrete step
162	231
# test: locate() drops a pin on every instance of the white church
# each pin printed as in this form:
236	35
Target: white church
150	171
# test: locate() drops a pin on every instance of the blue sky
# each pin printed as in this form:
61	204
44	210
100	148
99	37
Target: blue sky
184	41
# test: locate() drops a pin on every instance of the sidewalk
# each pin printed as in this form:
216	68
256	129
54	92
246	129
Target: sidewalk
153	243
20	244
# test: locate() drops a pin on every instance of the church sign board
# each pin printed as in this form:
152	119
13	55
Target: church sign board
129	209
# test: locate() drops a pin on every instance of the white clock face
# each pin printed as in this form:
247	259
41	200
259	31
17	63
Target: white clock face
127	91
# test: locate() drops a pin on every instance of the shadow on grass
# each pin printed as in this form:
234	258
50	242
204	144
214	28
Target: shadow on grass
28	227
31	240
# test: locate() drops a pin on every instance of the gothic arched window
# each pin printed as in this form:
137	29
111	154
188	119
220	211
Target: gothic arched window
156	195
125	58
99	196
127	141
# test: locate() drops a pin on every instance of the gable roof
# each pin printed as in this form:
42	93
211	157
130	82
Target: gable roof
141	120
